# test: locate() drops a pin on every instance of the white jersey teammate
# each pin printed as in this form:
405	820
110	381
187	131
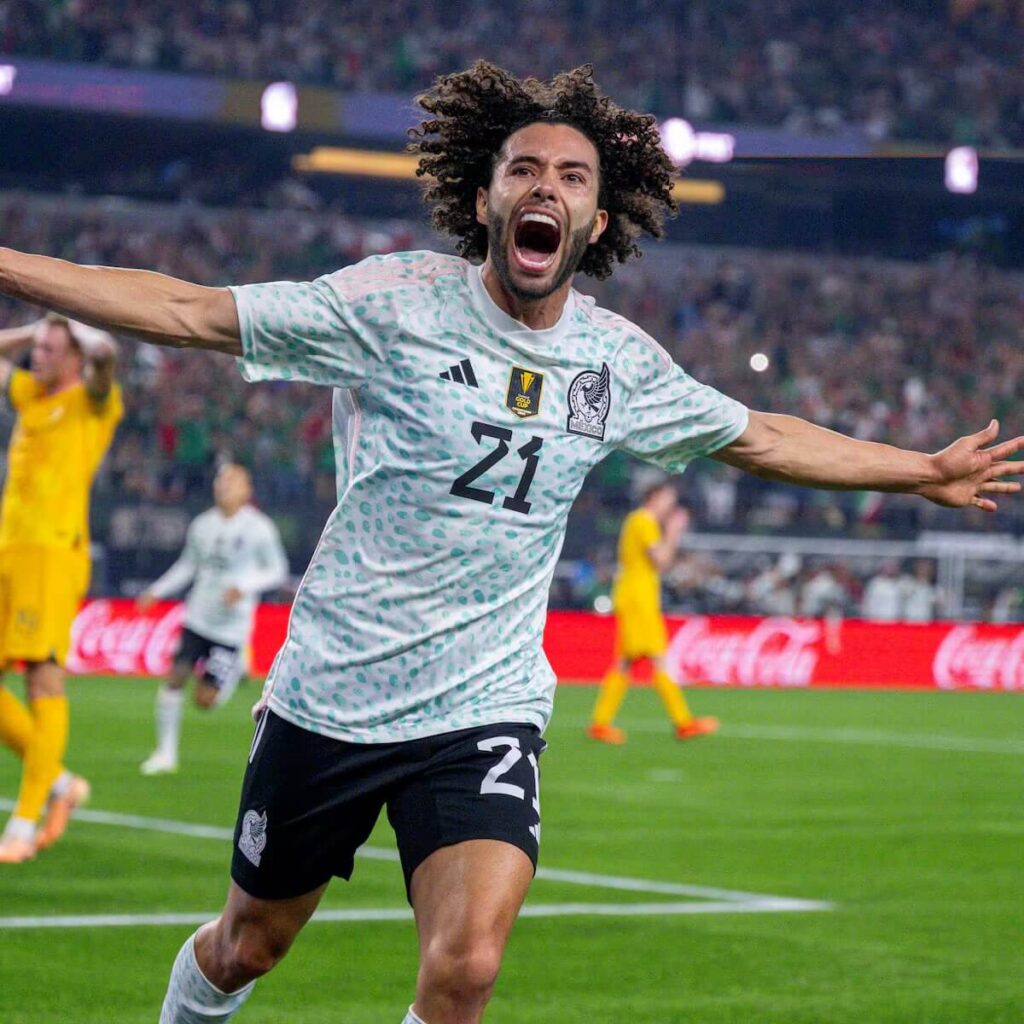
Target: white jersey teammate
470	402
232	554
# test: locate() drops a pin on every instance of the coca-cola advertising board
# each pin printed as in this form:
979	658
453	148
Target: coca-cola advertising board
112	637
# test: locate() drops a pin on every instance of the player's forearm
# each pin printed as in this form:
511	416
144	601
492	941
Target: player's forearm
791	450
176	579
663	553
155	307
16	339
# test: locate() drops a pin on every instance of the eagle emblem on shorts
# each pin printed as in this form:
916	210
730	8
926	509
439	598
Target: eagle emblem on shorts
590	398
253	837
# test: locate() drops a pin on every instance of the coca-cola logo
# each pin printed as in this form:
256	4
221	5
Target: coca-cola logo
966	659
774	652
111	636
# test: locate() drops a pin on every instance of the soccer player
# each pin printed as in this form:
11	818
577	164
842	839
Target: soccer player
233	553
470	401
647	547
67	407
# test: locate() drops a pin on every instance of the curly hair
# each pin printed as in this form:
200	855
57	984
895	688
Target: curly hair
473	112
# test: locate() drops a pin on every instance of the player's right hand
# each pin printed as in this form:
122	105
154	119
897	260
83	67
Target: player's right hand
144	601
678	522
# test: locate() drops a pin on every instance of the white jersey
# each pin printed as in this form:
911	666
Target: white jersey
462	438
242	551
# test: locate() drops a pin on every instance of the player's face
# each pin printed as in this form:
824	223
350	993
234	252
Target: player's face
541	208
231	488
664	501
54	359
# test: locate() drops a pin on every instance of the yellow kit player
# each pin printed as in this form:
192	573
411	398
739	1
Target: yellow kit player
647	545
67	407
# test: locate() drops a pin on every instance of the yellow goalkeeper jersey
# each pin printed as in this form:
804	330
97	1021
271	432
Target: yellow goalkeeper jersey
637	584
56	447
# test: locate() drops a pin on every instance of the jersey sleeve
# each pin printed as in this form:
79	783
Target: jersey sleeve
21	386
671	419
646	532
329	331
184	570
271	563
103	418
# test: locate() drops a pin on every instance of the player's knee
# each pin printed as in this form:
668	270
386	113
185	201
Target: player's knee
251	955
466	972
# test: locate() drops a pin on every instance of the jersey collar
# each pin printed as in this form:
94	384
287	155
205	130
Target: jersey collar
508	325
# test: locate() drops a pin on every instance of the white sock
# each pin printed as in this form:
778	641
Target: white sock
192	999
60	787
411	1018
20	828
170	706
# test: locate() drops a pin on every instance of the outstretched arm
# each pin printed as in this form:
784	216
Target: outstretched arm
151	306
790	449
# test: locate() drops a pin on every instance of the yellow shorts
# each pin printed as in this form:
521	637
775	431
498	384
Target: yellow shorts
40	590
640	632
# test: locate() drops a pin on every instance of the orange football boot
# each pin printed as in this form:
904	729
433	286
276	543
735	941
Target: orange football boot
607	734
698	727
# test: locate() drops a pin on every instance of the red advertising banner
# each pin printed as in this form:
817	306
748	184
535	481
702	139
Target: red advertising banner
718	650
113	637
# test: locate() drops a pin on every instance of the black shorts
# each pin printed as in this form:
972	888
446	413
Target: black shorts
218	665
309	801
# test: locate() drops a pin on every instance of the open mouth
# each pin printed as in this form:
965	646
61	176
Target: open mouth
536	241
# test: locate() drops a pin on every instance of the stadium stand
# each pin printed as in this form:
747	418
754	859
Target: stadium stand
916	70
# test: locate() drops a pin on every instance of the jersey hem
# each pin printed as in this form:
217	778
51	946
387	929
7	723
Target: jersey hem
373	735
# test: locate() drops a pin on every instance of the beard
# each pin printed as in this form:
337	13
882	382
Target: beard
571	260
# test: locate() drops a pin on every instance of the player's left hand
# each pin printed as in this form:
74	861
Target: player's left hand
232	596
968	471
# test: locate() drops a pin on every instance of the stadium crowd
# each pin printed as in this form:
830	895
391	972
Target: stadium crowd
914	70
849	343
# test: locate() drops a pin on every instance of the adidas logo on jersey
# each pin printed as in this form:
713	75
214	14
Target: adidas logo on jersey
461	373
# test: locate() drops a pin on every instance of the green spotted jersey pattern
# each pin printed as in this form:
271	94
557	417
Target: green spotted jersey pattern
422	610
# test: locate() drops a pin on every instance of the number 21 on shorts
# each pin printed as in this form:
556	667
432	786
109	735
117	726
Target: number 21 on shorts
513	755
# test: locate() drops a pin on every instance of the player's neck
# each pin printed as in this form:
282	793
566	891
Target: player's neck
57	386
537	314
231	511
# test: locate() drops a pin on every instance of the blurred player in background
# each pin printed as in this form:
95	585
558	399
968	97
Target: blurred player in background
648	545
413	675
233	553
67	407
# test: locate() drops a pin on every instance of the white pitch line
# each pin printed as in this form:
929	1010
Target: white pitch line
758	906
733	897
862	737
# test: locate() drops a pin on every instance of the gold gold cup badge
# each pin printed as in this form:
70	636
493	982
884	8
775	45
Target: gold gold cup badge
524	390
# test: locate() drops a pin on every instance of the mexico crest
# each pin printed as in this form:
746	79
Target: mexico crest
524	390
253	836
590	398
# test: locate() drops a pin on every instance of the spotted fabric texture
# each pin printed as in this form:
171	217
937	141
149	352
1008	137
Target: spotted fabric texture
423	607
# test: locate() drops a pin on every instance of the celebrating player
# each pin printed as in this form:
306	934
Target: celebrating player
232	554
644	552
67	407
470	401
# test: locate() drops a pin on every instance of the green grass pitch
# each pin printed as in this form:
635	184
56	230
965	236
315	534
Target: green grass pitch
904	812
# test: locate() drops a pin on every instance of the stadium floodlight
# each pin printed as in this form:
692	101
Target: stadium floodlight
684	144
962	170
8	73
279	107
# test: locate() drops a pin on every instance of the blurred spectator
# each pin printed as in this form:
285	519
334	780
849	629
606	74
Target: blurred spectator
822	594
921	597
773	591
883	594
913	70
